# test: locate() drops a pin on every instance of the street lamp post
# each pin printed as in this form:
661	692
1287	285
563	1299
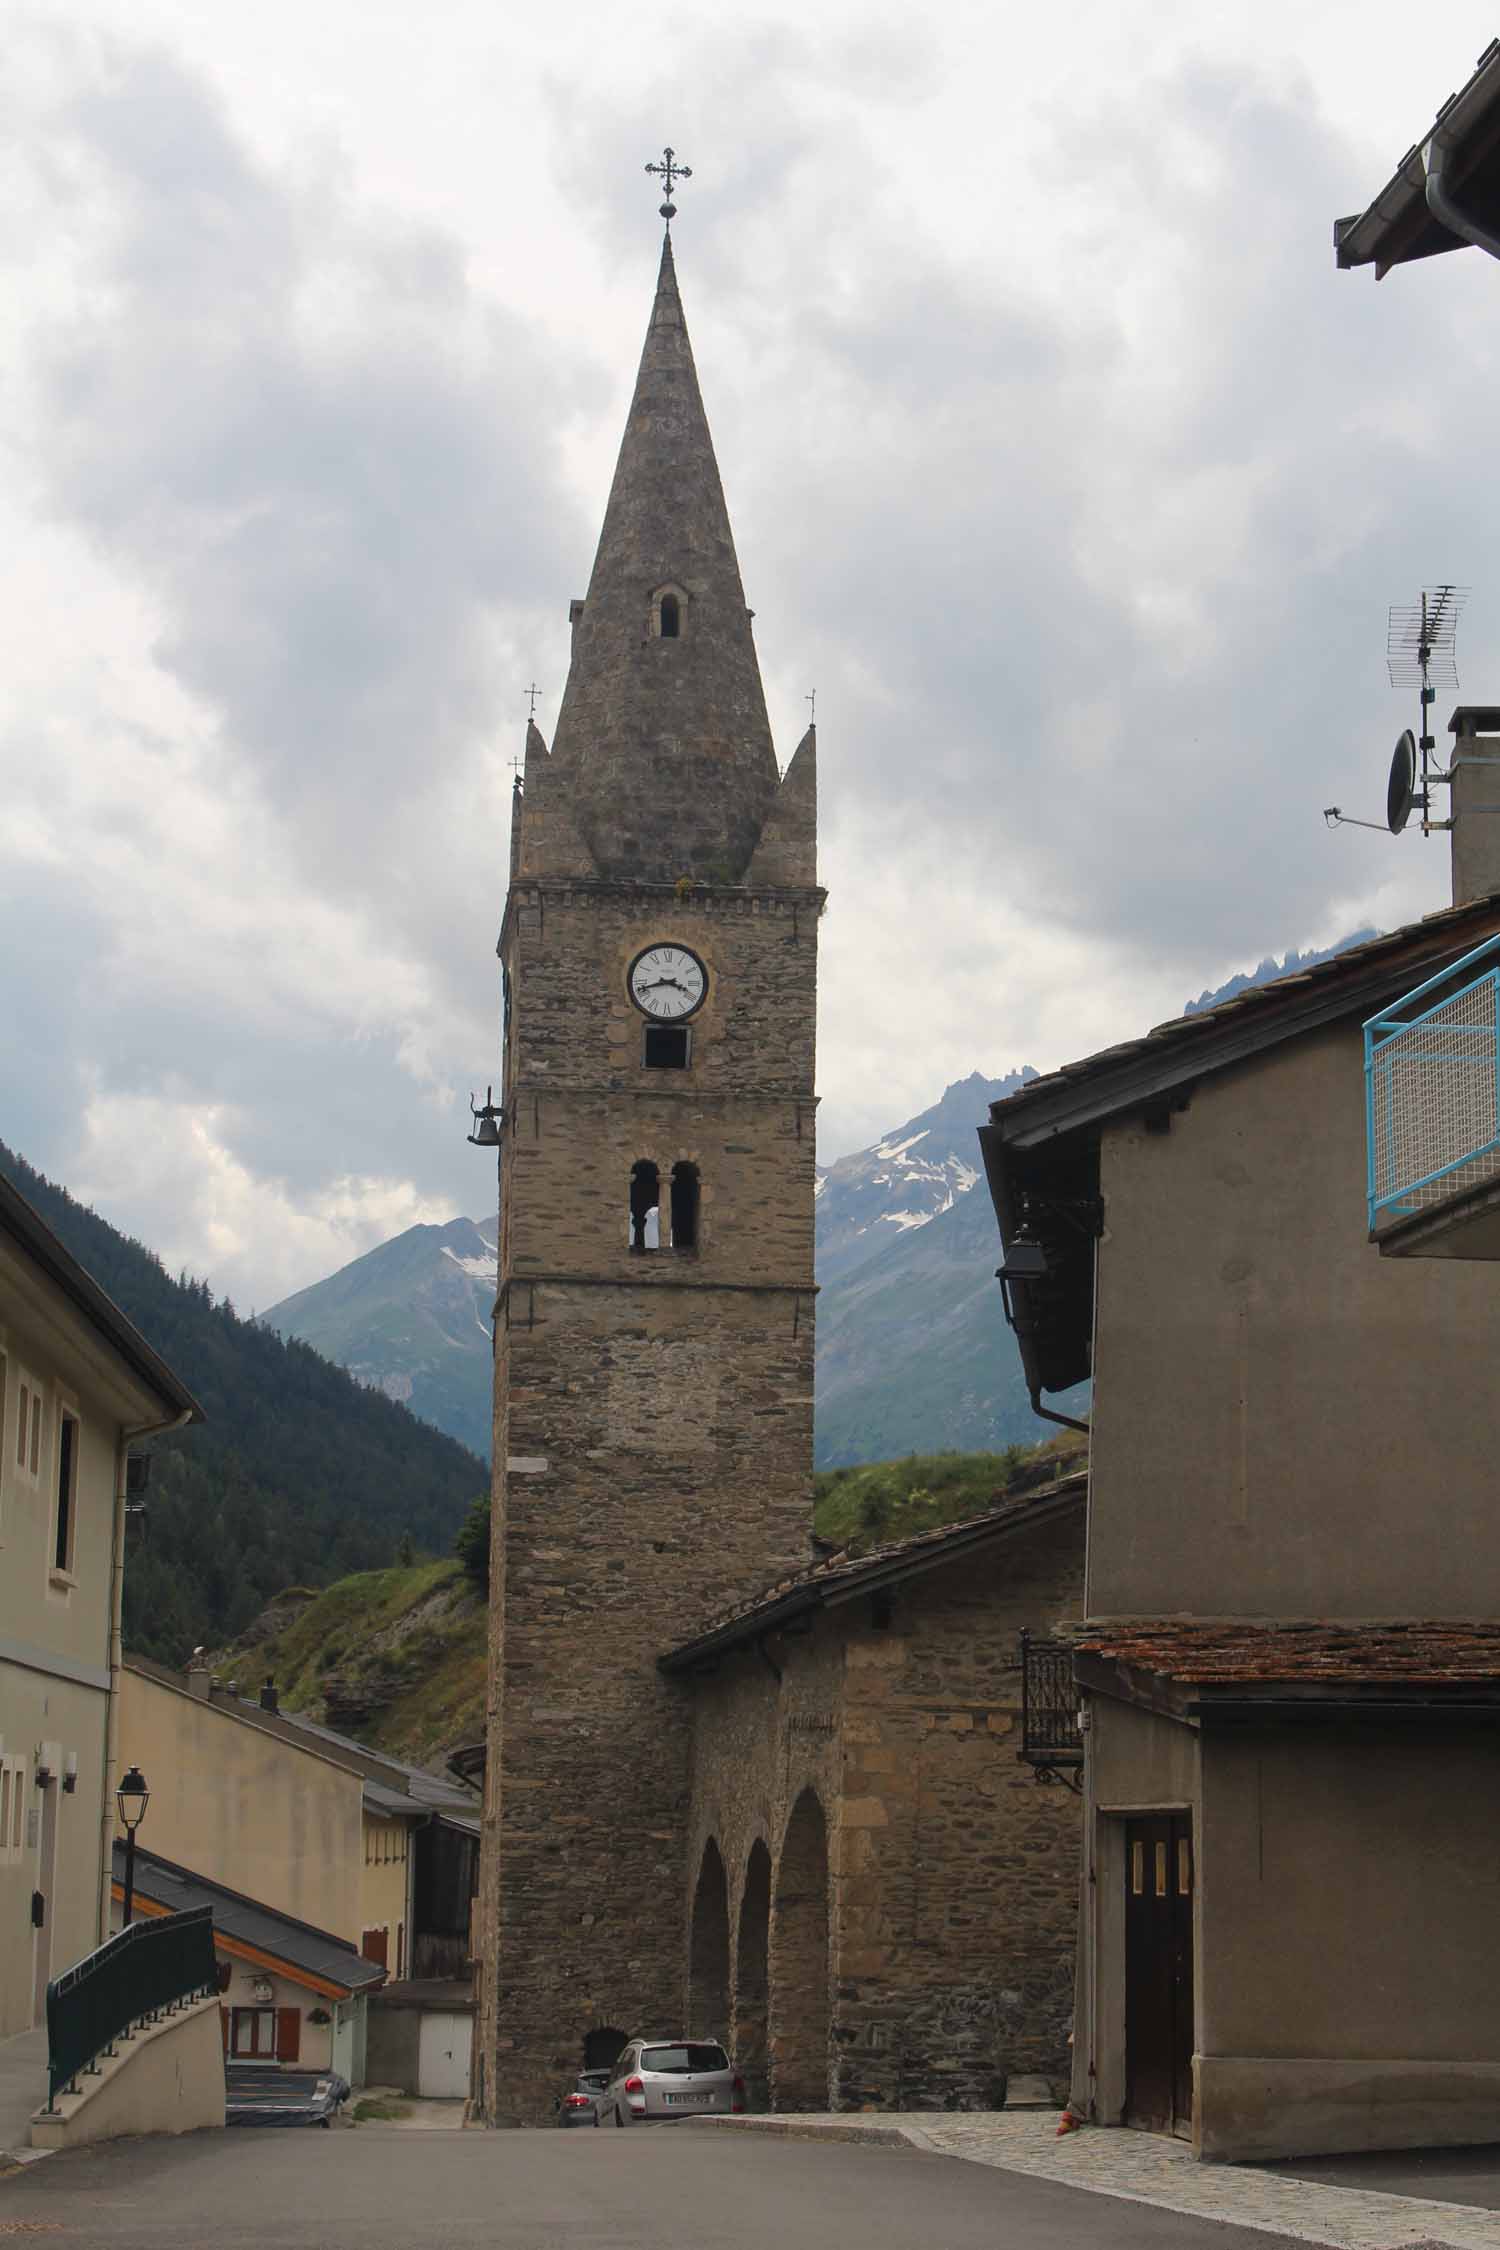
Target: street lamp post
132	1797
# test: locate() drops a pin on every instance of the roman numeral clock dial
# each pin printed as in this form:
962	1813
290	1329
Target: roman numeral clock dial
667	983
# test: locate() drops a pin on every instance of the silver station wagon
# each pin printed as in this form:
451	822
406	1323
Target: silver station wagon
657	2080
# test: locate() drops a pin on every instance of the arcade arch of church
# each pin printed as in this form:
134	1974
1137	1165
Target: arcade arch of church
882	1901
767	1995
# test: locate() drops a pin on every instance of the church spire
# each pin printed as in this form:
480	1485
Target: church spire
662	739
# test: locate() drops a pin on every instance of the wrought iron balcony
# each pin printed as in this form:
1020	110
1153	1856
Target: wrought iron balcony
1051	1743
1432	1113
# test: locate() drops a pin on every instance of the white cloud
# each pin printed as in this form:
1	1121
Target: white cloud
1062	464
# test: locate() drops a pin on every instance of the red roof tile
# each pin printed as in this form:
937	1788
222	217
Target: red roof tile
1223	1655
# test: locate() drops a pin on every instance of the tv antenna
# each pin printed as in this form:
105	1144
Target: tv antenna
1420	652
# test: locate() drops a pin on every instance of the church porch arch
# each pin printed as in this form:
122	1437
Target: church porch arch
752	1976
708	1950
799	2025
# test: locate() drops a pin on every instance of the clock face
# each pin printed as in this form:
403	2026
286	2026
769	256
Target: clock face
667	982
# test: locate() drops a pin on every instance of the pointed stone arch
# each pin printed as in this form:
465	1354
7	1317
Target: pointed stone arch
708	1950
800	2013
751	1976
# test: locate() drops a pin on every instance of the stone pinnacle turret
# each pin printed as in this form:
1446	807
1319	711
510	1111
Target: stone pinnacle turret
663	748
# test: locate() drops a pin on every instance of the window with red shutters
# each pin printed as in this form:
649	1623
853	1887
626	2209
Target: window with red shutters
288	2034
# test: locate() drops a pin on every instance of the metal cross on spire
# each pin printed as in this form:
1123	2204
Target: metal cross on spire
533	691
669	171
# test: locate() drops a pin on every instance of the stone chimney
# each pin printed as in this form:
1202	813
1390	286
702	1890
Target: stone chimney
199	1679
268	1696
1474	801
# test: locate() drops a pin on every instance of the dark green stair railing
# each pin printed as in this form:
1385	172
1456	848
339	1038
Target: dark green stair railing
136	1978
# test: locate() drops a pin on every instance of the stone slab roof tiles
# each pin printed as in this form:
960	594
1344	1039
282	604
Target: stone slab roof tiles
837	1577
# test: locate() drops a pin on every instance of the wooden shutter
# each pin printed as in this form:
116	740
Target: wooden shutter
224	2021
288	2034
375	1946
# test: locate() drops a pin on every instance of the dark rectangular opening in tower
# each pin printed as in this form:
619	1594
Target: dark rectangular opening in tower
667	1046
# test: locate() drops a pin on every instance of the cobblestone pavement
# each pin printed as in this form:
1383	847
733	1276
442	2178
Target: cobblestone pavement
1149	2168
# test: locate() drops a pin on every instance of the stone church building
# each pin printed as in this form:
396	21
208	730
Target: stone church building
731	1786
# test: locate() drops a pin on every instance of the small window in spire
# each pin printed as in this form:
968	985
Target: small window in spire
668	617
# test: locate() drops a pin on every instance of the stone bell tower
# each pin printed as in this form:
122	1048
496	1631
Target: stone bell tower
654	1327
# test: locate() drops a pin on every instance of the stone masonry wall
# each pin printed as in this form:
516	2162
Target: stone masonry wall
653	1455
953	1876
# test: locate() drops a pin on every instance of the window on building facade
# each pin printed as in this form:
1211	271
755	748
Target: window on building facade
29	1427
667	1046
671	617
17	1806
67	1491
252	2034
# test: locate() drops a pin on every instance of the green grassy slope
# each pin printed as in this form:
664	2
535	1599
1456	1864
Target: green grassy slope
395	1657
860	1507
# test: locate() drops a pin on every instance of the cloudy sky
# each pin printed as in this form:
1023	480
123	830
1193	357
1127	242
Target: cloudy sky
1063	465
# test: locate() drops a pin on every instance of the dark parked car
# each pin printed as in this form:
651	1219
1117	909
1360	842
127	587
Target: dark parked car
658	2081
583	2104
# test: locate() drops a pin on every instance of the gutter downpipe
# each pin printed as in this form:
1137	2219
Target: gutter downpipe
129	1435
1443	208
1048	1414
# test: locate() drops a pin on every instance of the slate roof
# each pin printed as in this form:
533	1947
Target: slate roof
1410	1654
838	1578
1258	1017
295	1945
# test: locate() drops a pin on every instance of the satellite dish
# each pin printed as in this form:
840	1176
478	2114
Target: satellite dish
1401	789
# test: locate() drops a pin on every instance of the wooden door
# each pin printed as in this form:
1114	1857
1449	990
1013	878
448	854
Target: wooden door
1159	1972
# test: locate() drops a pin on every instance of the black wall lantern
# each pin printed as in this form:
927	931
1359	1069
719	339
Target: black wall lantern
132	1797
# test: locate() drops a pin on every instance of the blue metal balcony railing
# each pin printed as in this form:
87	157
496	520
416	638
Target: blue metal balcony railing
1432	1090
130	1979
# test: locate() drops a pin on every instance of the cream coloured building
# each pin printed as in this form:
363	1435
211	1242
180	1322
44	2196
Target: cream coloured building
78	1385
276	1820
305	1820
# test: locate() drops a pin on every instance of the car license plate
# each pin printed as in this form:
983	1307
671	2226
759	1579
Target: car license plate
682	2099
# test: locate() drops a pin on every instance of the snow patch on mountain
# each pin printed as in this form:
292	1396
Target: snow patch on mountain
909	1177
480	1269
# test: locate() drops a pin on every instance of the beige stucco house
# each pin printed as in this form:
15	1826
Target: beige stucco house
289	1993
78	1386
287	1819
1289	1670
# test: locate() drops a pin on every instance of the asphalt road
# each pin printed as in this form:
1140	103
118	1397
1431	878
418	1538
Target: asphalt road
667	2189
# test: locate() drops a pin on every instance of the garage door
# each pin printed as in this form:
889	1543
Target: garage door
443	2057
